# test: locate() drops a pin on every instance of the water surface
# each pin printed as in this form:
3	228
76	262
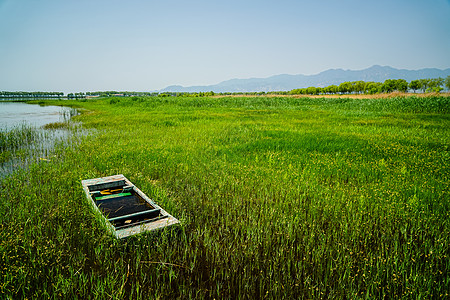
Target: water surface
23	116
15	113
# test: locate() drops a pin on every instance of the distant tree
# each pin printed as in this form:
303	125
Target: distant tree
424	84
435	85
334	89
436	82
331	89
377	87
391	85
388	86
401	85
311	90
358	86
372	87
447	83
345	87
415	85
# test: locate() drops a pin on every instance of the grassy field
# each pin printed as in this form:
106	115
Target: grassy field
278	198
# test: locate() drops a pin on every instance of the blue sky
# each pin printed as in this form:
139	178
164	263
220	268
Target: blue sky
137	45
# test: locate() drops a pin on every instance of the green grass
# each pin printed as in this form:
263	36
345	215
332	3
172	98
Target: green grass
278	198
19	136
15	141
56	125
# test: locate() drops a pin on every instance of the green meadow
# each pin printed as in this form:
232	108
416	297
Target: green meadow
278	197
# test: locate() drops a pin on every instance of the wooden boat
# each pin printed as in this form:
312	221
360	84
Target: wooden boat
125	208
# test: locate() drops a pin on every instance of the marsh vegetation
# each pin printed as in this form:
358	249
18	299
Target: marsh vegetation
277	197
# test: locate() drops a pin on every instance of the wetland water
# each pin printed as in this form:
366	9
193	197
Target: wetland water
16	113
23	140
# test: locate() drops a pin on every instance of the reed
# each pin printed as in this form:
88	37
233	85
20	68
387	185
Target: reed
18	136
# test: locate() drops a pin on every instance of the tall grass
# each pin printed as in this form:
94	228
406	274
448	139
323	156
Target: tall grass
18	136
278	198
24	144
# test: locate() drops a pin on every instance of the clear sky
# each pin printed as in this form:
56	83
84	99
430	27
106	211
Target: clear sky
146	45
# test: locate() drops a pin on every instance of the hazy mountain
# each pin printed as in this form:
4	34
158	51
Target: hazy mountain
286	82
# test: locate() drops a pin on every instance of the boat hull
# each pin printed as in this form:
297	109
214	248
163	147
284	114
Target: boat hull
125	209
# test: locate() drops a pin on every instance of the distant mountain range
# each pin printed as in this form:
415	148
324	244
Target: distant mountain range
286	82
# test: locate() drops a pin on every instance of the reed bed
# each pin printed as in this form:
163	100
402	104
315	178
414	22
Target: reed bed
277	197
17	137
25	144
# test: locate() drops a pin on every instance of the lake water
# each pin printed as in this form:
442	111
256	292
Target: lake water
15	113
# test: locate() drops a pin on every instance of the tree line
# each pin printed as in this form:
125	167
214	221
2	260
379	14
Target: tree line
370	87
79	95
429	85
110	94
5	94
